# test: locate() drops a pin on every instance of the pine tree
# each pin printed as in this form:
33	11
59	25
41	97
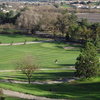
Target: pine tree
97	41
87	64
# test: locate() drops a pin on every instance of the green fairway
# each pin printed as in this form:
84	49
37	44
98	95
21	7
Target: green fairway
17	38
45	53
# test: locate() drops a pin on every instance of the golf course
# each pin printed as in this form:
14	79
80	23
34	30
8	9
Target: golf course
45	54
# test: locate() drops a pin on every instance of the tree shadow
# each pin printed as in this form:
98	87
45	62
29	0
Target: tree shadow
82	91
67	65
43	76
11	35
60	47
73	49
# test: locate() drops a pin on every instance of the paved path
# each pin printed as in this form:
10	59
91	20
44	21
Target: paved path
32	42
68	68
25	96
22	43
39	82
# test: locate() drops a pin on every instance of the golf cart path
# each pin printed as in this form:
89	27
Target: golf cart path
69	68
60	80
25	96
22	43
33	42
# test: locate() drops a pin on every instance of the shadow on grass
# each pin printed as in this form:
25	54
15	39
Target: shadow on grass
16	35
44	76
85	91
67	65
12	35
72	91
73	50
60	47
52	76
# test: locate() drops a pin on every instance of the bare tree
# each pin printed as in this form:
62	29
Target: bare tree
38	18
29	20
27	66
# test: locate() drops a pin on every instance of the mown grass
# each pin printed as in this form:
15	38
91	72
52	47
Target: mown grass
45	53
74	91
17	38
45	75
12	98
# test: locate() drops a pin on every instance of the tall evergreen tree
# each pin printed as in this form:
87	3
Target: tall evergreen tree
87	64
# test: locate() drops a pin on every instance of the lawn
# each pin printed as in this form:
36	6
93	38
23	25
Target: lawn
12	98
74	91
43	75
44	53
17	38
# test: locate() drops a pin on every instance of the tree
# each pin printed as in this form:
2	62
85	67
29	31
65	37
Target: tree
62	23
96	41
87	64
72	20
38	18
27	66
95	34
73	31
29	20
65	23
1	95
8	17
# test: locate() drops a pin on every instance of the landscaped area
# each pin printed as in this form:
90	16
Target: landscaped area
74	91
45	54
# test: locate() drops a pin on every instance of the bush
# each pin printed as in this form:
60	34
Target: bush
36	39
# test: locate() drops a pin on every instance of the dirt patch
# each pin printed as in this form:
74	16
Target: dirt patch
68	48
